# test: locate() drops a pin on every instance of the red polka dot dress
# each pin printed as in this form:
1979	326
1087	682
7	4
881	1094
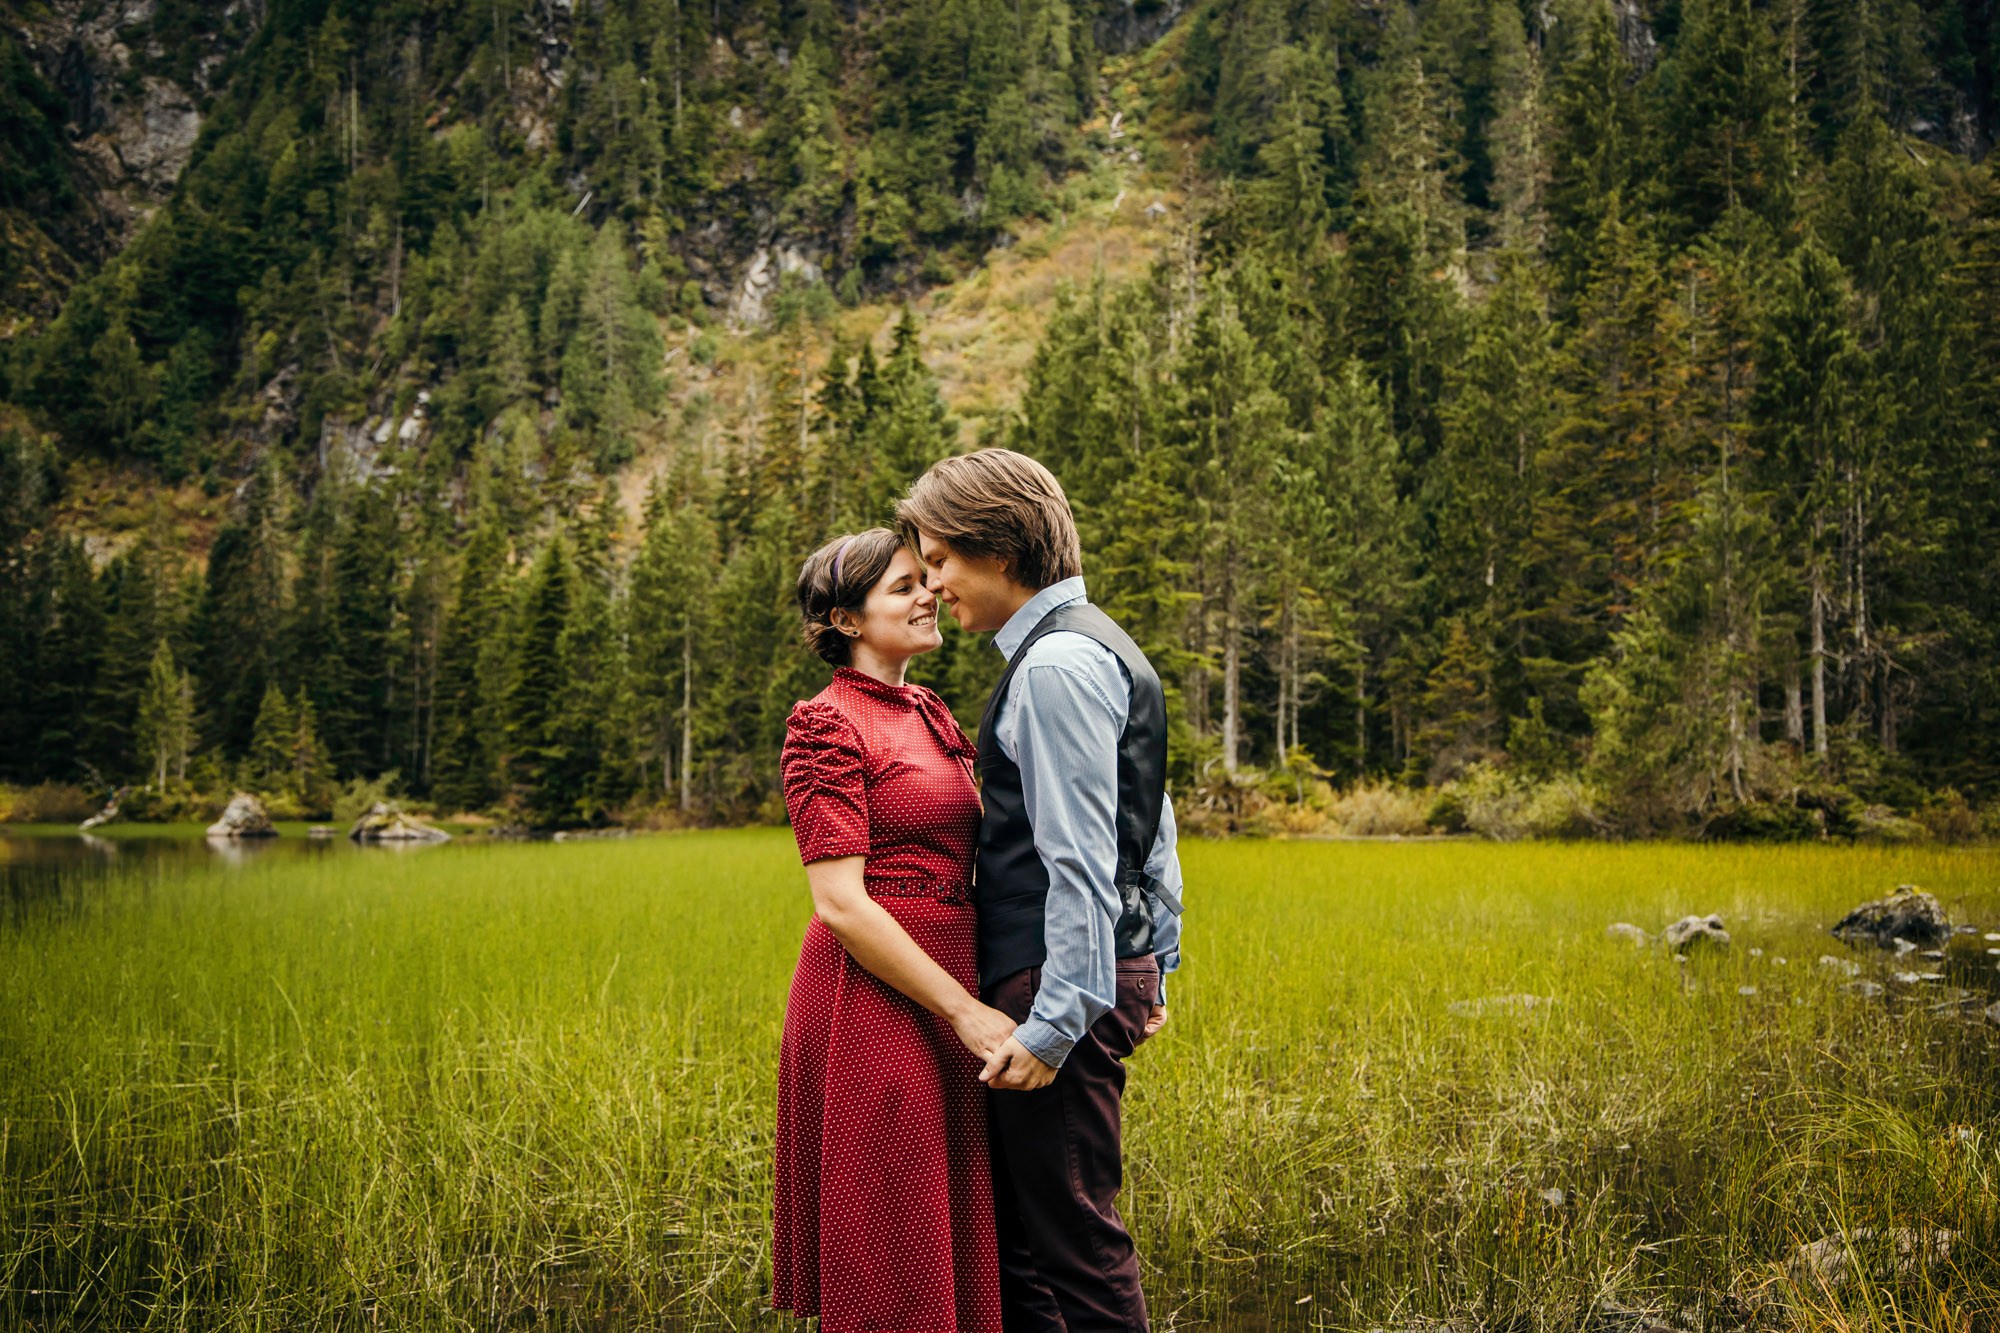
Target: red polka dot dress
883	1215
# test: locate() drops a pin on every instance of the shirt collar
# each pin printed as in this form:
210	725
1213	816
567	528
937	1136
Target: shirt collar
1022	622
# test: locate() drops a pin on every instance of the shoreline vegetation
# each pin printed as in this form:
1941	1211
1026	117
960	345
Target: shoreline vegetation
1485	802
1448	1085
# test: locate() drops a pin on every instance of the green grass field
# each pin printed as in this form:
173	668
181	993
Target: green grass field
476	1087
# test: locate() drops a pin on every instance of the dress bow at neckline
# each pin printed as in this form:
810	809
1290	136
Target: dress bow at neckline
939	718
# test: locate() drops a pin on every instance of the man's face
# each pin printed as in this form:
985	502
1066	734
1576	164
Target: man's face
976	588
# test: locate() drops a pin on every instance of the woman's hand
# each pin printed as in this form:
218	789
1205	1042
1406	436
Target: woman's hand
982	1028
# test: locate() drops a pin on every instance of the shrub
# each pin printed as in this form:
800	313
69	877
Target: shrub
360	796
1375	809
178	803
1949	818
1767	821
1498	804
45	803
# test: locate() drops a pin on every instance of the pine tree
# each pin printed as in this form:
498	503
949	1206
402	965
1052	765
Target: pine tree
1723	124
1362	548
137	596
1808	429
470	672
907	425
349	684
1229	424
165	728
667	613
1594	149
534	757
65	626
243	609
272	739
1490	487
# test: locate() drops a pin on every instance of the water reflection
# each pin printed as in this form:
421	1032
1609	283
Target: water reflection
37	865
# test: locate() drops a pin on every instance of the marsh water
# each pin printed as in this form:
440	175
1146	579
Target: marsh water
37	860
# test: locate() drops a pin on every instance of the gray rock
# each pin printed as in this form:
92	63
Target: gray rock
591	834
1831	1261
1915	978
1993	1013
1907	914
1867	990
1515	1005
1693	930
1624	930
1844	966
322	831
243	818
386	822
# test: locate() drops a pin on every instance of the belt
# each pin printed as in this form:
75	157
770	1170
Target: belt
883	887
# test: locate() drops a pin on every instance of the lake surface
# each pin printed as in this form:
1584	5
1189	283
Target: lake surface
37	860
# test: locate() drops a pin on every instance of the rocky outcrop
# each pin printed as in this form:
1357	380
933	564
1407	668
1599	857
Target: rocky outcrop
132	89
1909	915
1125	28
1691	931
386	822
243	818
750	306
1631	934
1635	35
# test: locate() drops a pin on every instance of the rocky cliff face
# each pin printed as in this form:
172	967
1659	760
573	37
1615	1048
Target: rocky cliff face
129	81
133	85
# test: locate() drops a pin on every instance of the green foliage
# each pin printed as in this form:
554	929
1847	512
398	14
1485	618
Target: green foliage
1512	388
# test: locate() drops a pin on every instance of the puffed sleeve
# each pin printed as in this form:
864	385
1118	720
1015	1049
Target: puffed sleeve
826	792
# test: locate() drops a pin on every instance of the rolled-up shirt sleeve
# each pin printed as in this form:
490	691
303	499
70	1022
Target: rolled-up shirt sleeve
1163	867
1065	739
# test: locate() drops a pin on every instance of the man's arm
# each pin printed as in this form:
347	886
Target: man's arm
1065	733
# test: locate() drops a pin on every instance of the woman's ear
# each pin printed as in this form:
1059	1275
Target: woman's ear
843	620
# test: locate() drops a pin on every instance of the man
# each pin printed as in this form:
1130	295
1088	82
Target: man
1077	880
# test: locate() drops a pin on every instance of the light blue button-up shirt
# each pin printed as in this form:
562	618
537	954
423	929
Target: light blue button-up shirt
1060	725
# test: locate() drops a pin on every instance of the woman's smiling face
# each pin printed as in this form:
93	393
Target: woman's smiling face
899	619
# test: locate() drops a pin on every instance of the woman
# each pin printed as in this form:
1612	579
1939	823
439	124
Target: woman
884	1214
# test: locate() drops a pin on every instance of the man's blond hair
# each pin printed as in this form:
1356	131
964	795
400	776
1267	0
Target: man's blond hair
1000	505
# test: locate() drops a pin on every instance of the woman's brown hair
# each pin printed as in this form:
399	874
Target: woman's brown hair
839	576
1000	505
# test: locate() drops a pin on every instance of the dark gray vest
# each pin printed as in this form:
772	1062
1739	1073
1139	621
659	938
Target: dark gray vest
1012	886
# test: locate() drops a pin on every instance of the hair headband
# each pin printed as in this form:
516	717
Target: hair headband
838	556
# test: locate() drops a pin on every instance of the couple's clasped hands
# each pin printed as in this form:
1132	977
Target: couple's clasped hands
1010	1066
989	1034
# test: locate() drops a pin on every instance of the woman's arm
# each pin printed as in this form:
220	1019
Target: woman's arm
880	944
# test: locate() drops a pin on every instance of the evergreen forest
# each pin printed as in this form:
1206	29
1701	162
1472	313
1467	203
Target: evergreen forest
1560	418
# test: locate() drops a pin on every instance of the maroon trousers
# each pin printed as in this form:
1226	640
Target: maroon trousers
1067	1264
